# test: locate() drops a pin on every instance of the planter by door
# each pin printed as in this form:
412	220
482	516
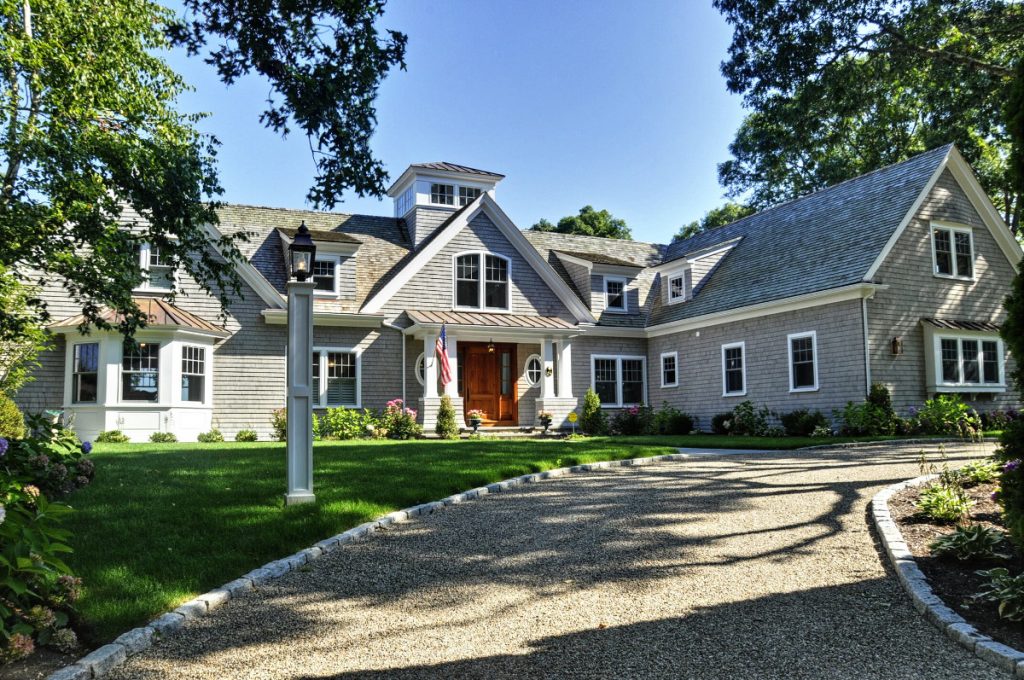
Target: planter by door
489	382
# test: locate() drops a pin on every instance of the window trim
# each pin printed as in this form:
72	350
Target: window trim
321	398
453	195
952	229
481	256
161	346
205	374
336	259
625	294
465	188
421	360
675	364
813	335
72	373
668	287
743	349
960	386
526	370
619	358
144	266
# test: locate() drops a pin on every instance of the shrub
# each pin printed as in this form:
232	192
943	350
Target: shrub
870	418
948	414
1007	590
52	459
944	503
162	437
977	472
246	436
997	420
975	542
12	422
632	421
802	423
279	422
749	421
671	420
112	437
446	427
822	431
210	437
722	423
347	423
593	420
399	421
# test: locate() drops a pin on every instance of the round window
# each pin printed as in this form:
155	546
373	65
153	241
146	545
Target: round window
533	369
420	363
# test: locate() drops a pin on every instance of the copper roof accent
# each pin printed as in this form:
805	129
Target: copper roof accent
598	258
496	320
321	235
455	167
158	312
959	325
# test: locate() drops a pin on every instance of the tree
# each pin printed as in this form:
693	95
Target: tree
842	88
18	354
714	218
589	222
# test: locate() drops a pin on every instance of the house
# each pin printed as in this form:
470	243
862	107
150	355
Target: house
896	277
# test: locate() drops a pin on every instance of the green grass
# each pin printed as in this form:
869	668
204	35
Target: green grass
164	522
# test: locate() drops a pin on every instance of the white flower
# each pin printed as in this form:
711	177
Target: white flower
3	514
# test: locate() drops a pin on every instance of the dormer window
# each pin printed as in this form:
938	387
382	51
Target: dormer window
953	252
615	294
481	277
468	194
442	194
677	287
157	272
325	275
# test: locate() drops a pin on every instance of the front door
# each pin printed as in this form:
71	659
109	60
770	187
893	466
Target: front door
489	381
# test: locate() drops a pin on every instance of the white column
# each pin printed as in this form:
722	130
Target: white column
300	393
565	368
429	367
452	388
547	385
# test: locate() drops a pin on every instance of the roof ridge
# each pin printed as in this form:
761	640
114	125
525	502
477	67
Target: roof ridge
604	239
325	213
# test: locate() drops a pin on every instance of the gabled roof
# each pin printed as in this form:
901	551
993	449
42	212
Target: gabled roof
159	314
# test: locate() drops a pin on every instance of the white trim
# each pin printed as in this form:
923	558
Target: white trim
69	386
867	347
145	267
933	338
250	275
619	358
675	368
681	275
813	335
416	369
526	370
279	317
743	366
699	254
321	399
953	230
481	256
624	309
161	370
336	259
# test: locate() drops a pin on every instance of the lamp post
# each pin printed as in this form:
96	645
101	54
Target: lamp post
299	401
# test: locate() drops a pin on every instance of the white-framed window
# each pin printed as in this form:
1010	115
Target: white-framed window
442	194
677	288
140	372
734	369
336	377
403	203
534	369
193	373
615	294
803	361
482	281
85	368
421	369
468	194
157	271
966	361
619	380
952	252
325	274
669	369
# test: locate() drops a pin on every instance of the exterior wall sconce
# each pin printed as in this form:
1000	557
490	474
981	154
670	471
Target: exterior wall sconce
896	346
548	372
490	347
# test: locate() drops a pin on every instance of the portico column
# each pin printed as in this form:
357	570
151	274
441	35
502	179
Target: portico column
547	385
452	388
429	367
565	368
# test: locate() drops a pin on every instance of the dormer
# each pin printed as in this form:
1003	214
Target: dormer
334	269
428	193
683	277
605	282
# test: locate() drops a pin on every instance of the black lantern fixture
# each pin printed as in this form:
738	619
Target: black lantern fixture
897	346
490	347
302	251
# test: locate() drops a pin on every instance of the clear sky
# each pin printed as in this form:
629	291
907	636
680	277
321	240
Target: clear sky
611	103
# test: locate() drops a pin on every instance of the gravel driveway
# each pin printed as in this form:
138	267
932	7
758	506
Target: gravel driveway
714	567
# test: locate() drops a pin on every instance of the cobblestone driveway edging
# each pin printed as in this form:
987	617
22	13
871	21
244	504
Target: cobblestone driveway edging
926	602
102	660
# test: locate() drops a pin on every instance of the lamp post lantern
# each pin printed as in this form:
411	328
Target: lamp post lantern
301	252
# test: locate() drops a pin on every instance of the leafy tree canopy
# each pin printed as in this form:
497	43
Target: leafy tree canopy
841	88
714	218
589	222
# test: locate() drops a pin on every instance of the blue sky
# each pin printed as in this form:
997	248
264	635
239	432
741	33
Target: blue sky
615	104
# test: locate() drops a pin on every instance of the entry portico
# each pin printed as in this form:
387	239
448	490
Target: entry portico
507	365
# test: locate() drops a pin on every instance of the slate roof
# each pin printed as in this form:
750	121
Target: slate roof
319	235
158	312
821	241
455	167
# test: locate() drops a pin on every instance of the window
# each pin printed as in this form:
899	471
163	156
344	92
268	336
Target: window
734	372
157	272
953	252
421	368
676	288
669	369
615	294
193	373
442	194
325	275
619	381
468	194
140	372
404	202
970	361
491	288
534	369
335	378
85	373
803	362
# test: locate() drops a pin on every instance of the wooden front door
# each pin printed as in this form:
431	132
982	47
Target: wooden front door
489	381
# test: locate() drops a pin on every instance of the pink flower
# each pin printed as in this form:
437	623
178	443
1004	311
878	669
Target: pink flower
20	646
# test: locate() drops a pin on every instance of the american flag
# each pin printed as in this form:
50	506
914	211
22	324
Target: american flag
441	350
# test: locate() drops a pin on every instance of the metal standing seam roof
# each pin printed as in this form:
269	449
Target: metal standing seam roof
455	167
158	313
495	320
961	325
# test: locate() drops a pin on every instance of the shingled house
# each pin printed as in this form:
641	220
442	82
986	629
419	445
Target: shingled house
896	277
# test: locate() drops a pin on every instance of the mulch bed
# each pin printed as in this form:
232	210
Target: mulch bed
952	580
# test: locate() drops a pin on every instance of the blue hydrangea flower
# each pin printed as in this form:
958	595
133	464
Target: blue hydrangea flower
87	448
3	447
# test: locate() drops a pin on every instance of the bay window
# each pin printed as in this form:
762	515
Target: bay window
193	373
85	366
970	361
140	371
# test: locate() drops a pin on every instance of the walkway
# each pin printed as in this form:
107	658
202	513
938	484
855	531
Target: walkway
757	566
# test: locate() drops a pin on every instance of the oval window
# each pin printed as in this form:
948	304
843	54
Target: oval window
533	369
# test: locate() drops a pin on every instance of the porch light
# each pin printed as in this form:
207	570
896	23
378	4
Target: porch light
490	347
302	251
897	346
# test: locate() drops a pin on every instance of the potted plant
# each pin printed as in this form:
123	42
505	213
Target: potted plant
476	416
545	419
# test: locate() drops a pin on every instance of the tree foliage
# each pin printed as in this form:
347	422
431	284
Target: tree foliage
841	88
588	222
18	354
724	214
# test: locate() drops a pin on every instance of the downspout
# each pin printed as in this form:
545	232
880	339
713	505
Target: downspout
867	348
401	332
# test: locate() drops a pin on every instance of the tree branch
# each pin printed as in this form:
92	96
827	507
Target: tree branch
945	55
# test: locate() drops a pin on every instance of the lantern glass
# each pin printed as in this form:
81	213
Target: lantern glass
302	251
